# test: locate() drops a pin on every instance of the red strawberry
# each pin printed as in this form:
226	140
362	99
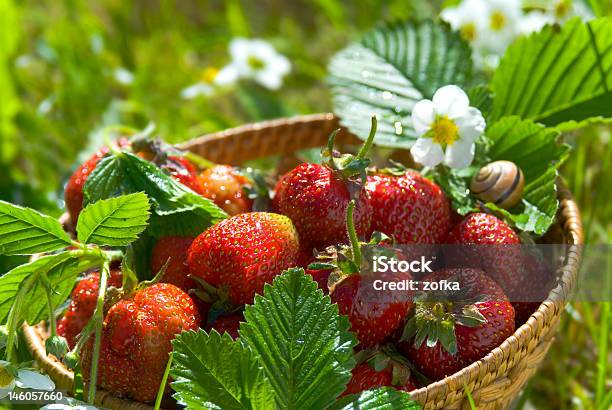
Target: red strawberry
82	305
183	171
228	324
540	278
365	377
449	330
409	208
136	339
489	244
243	253
227	187
173	250
316	197
321	276
374	314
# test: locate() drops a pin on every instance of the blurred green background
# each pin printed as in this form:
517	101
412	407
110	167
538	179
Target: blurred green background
69	68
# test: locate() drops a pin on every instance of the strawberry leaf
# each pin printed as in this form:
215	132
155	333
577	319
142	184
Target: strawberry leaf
391	69
383	398
534	148
557	77
24	231
114	221
210	370
300	339
126	173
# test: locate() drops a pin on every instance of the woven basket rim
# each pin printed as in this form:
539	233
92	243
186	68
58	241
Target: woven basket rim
568	219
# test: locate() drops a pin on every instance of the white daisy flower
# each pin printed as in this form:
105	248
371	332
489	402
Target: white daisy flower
205	87
69	404
25	379
447	127
257	60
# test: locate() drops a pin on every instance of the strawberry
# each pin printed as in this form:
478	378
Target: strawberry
319	275
228	188
228	324
183	171
241	254
136	340
487	243
540	279
73	192
82	305
173	250
451	330
365	377
316	196
408	207
373	314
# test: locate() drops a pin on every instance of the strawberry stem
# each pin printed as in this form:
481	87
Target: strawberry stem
162	385
98	318
363	151
352	234
47	287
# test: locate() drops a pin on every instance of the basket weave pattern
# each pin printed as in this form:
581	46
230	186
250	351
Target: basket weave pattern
494	381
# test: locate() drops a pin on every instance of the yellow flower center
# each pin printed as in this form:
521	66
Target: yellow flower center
5	377
468	31
444	131
498	21
255	63
209	74
562	8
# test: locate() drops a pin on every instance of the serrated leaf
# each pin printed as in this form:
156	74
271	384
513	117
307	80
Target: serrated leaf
24	231
114	221
558	77
534	148
302	342
386	398
391	69
126	173
210	370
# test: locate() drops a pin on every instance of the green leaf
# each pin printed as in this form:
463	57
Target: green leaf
391	69
213	370
62	269
24	231
126	173
302	342
534	148
385	398
558	77
455	184
114	221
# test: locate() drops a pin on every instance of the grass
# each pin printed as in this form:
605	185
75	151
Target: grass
59	89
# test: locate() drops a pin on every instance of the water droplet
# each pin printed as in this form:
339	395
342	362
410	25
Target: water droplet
386	95
366	74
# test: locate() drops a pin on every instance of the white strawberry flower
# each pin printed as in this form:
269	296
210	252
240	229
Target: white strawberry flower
501	26
563	10
254	59
205	87
24	379
534	21
468	18
447	128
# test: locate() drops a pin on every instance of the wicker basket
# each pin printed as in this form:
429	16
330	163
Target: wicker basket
494	381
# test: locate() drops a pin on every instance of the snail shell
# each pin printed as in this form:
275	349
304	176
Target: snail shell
500	182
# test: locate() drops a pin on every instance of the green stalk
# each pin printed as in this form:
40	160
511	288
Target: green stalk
352	234
162	385
52	321
602	365
98	318
369	141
